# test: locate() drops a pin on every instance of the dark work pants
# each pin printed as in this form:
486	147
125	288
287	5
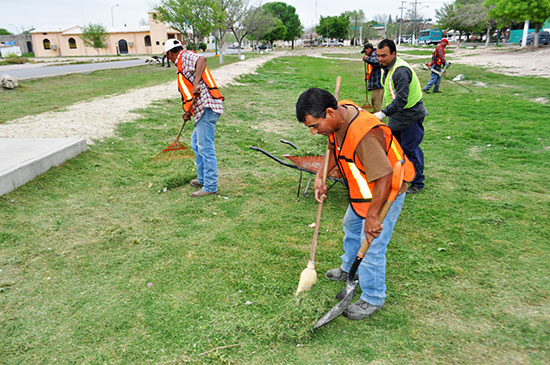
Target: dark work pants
410	139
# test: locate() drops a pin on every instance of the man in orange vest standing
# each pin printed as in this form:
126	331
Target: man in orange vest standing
438	60
201	98
363	149
373	77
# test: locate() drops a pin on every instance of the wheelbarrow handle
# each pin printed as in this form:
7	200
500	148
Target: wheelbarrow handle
289	143
273	157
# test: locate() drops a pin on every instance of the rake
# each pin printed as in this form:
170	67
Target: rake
176	150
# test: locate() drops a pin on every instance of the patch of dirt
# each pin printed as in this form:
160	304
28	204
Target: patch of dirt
541	100
98	118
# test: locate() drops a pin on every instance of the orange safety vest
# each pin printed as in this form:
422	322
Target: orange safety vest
185	86
350	166
438	61
369	71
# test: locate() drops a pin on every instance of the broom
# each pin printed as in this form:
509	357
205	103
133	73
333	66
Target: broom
308	277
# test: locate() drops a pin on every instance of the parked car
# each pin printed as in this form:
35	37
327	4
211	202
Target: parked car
332	43
544	38
261	47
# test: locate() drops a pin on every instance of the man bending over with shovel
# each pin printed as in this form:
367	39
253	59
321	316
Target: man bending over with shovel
363	149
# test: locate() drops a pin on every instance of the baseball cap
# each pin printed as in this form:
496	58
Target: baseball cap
444	40
171	44
367	46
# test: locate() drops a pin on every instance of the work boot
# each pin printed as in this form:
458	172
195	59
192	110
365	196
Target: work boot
414	189
361	309
202	192
338	275
195	183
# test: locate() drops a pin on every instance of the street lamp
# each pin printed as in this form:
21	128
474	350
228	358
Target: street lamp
16	28
112	16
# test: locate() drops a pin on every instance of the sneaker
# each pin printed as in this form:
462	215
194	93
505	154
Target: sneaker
195	183
361	309
414	189
338	275
201	192
426	91
437	91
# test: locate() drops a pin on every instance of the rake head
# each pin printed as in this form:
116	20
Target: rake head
175	151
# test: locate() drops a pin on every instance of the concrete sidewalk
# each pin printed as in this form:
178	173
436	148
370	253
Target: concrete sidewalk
21	160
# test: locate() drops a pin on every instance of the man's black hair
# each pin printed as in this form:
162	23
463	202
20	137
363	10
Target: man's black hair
314	102
387	43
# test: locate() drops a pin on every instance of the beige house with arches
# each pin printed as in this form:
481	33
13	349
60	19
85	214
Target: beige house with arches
147	39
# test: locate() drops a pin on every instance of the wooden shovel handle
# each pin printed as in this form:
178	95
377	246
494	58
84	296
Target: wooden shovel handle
396	181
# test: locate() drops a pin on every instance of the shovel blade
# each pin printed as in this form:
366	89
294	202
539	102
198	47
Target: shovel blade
349	293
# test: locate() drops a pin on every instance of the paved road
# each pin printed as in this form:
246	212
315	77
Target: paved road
38	70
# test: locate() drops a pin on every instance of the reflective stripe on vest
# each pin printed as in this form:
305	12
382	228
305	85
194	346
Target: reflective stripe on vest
369	71
351	167
185	85
415	90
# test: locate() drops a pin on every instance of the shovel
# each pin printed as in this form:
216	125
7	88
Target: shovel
367	104
347	294
308	277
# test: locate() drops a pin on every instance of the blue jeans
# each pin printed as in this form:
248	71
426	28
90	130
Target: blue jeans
409	139
435	80
202	143
372	270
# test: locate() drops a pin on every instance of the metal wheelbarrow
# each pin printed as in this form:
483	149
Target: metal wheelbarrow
309	164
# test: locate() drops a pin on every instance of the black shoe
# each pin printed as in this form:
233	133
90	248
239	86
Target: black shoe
414	189
426	91
338	275
437	91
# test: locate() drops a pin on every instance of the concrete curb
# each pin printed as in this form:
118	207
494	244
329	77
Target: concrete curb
21	160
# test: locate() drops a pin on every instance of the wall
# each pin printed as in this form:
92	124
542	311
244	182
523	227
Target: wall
20	39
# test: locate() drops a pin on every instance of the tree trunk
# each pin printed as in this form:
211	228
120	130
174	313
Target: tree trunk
488	36
220	43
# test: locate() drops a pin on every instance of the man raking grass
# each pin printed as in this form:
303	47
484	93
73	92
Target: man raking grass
365	152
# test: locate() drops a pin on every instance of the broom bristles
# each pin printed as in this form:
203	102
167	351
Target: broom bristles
308	278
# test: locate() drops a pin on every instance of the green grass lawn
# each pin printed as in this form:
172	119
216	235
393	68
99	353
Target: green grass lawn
99	264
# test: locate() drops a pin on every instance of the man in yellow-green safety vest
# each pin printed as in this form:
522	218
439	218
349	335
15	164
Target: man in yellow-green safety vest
404	107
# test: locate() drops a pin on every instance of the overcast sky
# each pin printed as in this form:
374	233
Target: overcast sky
17	15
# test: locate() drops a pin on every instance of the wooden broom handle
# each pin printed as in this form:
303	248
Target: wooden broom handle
324	176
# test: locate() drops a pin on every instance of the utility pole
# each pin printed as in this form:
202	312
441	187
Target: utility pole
401	21
355	32
414	22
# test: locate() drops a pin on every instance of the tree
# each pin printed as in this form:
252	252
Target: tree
536	11
94	35
333	26
252	21
357	18
4	32
277	32
192	18
289	18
